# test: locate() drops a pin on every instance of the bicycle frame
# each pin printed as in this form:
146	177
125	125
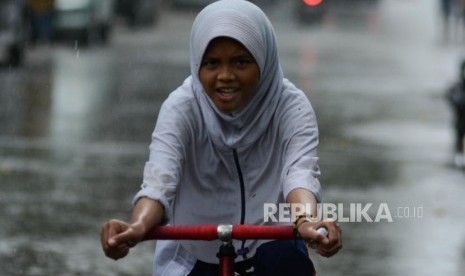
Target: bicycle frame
225	233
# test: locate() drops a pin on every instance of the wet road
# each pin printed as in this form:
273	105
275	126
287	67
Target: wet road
75	125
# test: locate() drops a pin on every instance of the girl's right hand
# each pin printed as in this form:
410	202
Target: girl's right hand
117	237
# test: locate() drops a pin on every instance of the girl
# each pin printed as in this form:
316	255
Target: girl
233	137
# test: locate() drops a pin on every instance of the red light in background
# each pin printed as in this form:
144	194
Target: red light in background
312	2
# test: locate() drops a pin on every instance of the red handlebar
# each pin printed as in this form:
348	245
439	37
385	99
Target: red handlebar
210	232
225	233
183	232
262	232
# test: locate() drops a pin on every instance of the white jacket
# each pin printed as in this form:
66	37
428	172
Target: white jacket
208	167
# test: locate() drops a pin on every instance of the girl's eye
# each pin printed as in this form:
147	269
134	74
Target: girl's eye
244	61
210	62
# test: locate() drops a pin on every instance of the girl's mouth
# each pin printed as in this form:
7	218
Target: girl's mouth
226	94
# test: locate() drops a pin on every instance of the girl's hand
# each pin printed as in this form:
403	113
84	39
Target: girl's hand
117	237
326	246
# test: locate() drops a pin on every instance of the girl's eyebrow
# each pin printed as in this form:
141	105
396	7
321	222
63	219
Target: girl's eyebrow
209	59
239	55
243	55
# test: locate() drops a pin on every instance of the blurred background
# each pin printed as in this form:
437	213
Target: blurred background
81	83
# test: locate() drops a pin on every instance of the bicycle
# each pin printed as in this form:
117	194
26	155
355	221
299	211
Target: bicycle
225	233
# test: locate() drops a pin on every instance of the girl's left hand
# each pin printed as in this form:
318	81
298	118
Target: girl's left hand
326	246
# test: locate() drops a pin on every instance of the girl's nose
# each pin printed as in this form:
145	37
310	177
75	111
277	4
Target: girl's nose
226	74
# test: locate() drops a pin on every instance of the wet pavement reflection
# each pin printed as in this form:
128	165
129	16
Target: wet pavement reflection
75	124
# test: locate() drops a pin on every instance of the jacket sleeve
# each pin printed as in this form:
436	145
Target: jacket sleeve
300	137
163	170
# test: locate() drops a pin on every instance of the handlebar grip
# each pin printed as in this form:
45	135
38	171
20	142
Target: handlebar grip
323	231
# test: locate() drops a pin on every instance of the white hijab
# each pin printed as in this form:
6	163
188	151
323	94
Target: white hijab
246	23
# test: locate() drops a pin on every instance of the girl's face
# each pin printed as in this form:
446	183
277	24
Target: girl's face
228	73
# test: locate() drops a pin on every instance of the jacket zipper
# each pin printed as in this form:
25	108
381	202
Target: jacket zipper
243	250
